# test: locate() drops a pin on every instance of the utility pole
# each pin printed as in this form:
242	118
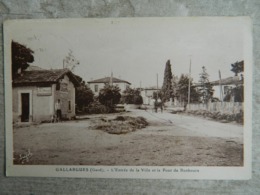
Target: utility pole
157	84
220	87
111	79
189	85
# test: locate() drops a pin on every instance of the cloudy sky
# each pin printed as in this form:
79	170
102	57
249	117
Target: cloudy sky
135	49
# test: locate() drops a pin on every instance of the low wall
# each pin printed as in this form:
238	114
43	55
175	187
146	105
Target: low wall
222	107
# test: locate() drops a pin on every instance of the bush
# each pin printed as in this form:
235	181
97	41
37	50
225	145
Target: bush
132	96
138	100
224	117
109	96
96	108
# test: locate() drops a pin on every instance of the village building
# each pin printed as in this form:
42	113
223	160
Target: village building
147	95
224	88
35	92
98	84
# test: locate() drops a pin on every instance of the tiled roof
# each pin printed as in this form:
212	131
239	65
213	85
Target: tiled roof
228	81
225	81
107	80
43	76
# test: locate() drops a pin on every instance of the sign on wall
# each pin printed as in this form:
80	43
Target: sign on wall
44	91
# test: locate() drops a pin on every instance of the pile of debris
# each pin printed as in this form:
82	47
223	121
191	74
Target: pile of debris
120	124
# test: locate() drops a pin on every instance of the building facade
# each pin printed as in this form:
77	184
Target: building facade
147	95
98	84
36	91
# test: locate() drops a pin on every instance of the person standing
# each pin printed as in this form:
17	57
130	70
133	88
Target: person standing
58	109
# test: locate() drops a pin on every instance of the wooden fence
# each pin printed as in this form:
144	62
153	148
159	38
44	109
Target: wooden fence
223	107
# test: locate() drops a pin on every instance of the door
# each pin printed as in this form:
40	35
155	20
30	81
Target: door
25	99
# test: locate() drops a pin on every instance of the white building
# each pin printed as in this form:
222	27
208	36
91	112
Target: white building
147	95
35	92
98	84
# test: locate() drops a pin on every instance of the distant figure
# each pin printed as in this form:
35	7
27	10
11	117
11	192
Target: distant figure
158	104
58	110
185	107
155	105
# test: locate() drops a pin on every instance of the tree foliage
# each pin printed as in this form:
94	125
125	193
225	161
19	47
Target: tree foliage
157	94
206	89
237	67
132	96
183	87
167	89
175	80
109	96
21	57
238	91
84	95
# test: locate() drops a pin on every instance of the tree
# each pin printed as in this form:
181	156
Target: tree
84	95
70	62
167	90
238	90
21	57
109	96
237	67
206	89
132	96
157	94
182	90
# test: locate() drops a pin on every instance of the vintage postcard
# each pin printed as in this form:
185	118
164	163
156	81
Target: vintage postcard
159	98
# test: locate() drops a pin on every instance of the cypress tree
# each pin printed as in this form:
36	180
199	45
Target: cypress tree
206	89
167	89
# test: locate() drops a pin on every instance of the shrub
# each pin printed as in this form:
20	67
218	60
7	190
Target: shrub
138	100
96	108
109	96
132	96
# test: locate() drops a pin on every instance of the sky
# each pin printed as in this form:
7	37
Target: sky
136	49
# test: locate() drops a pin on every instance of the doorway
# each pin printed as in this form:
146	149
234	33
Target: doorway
25	99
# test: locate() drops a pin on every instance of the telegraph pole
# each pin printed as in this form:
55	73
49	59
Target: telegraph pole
189	85
157	84
220	86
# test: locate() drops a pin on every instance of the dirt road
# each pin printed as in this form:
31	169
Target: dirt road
169	139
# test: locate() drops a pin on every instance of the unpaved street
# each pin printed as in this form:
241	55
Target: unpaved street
169	139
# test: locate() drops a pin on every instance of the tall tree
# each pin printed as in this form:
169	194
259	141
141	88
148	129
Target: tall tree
84	95
167	89
21	57
70	62
205	89
182	90
238	90
237	67
175	80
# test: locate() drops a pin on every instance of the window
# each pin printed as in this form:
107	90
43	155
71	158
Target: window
69	105
57	86
96	88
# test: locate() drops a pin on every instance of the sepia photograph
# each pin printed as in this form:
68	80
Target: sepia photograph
129	97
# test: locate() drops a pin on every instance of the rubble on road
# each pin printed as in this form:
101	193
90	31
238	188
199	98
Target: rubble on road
120	124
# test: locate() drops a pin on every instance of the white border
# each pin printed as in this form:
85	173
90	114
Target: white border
236	173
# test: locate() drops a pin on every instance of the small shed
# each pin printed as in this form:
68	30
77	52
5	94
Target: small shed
36	91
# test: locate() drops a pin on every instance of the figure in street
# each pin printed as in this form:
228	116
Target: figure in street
58	110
